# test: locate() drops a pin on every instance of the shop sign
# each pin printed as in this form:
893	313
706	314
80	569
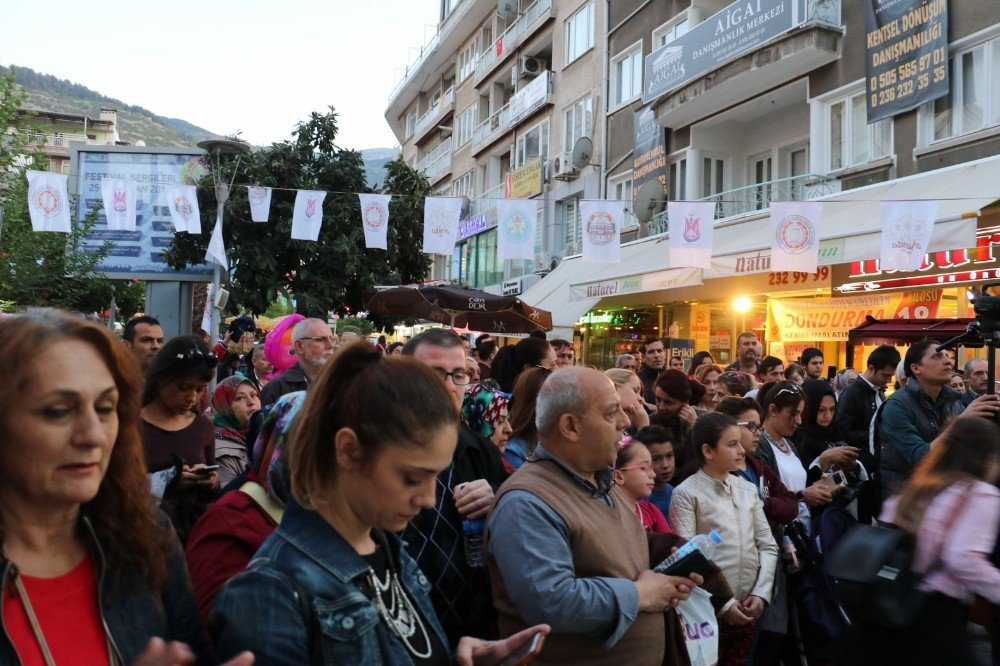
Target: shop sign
906	54
529	98
474	225
511	287
654	281
738	29
591	318
701	321
649	150
819	319
830	251
526	182
939	269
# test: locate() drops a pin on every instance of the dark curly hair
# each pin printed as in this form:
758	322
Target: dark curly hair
122	513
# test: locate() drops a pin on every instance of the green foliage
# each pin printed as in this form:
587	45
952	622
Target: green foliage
360	323
335	273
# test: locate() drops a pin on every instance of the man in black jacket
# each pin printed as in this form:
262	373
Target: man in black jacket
460	593
313	344
855	410
654	360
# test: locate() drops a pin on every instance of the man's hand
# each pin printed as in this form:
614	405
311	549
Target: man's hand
734	616
658	592
815	495
985	405
160	653
473	499
477	652
753	606
841	457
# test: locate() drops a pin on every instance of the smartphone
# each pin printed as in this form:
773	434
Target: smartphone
526	653
206	470
839	478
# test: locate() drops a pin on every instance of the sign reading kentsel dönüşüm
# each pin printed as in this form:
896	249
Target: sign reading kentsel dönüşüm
906	54
738	29
649	154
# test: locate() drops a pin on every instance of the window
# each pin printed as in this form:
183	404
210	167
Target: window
462	186
626	76
411	122
850	139
671	30
620	189
467	61
580	32
464	124
578	121
974	101
712	176
677	180
531	144
571	225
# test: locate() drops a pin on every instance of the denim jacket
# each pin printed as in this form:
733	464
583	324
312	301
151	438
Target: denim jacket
131	612
306	568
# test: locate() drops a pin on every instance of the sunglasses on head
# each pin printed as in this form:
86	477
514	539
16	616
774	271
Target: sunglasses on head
196	354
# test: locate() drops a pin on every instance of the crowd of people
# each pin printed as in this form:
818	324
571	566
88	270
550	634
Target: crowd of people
452	500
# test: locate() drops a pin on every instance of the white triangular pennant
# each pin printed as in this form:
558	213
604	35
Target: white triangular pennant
601	227
119	198
48	201
795	231
184	212
216	251
516	221
441	216
691	225
307	218
375	219
260	203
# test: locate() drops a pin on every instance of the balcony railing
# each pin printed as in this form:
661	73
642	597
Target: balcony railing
414	67
437	161
495	124
506	42
58	140
445	102
487	200
743	200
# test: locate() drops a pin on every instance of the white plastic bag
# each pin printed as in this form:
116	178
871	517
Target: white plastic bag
701	628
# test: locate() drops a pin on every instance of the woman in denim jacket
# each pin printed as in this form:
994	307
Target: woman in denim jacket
333	584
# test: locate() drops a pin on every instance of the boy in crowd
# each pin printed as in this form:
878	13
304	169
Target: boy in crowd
661	449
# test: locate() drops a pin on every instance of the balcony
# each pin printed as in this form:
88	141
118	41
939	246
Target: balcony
806	35
757	198
411	70
492	128
437	163
507	43
434	115
487	201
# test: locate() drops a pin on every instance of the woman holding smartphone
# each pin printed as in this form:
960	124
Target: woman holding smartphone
333	583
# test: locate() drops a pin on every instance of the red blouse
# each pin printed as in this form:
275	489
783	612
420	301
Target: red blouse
67	612
653	519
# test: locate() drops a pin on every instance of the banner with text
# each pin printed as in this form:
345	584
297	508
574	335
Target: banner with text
820	319
906	54
649	154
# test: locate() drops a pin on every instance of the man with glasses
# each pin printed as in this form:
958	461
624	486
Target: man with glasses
460	593
313	344
565	356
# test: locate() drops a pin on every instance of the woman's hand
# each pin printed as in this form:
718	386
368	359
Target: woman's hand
688	415
475	651
753	606
841	457
735	616
160	653
816	495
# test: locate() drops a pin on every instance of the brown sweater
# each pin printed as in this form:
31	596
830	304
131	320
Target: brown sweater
605	541
194	443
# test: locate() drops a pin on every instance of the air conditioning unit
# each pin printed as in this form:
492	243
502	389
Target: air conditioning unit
563	169
531	67
543	262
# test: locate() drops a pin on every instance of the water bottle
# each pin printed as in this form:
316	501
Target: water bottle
790	556
472	535
706	543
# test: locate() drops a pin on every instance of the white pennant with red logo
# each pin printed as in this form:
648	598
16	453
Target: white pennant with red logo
184	212
48	201
119	197
795	229
691	224
375	219
260	203
307	217
601	223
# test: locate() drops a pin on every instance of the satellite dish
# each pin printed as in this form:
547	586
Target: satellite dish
506	8
648	200
583	149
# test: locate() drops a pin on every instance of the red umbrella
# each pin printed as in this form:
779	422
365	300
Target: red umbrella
462	307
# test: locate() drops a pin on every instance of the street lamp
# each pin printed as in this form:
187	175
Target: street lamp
215	148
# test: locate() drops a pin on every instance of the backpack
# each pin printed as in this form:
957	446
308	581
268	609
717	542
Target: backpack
876	581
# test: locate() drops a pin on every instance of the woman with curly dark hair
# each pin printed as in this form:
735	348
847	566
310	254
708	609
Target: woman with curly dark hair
89	572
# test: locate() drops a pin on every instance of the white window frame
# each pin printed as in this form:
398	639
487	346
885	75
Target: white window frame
620	189
568	122
410	123
633	54
545	136
667	32
990	44
463	186
466	65
677	165
571	30
465	124
572	229
820	144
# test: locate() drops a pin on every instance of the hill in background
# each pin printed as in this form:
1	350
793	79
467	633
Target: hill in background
375	161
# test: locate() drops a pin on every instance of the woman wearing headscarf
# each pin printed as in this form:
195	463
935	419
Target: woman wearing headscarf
233	403
225	538
485	409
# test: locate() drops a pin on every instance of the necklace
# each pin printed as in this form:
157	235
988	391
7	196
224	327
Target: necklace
403	619
779	442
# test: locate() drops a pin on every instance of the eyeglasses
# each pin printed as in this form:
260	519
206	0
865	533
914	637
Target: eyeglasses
322	339
794	389
752	428
543	368
644	467
458	378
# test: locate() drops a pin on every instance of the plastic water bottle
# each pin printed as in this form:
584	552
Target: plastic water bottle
706	543
472	535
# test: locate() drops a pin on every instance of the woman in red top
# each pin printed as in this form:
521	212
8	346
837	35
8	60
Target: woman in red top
89	572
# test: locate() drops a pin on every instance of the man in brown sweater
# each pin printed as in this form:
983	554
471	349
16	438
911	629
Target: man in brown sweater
564	546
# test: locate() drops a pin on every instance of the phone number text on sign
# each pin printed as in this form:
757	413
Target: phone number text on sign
798	277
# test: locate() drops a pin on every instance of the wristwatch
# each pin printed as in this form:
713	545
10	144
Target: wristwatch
799	495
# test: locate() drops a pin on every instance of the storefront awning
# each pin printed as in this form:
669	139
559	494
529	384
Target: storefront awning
552	293
905	332
852	220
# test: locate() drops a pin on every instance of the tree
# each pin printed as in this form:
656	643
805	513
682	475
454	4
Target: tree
333	274
44	268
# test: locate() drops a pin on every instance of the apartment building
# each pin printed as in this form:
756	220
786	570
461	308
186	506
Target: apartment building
490	109
51	133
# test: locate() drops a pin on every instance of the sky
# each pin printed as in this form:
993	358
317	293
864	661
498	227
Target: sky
254	66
